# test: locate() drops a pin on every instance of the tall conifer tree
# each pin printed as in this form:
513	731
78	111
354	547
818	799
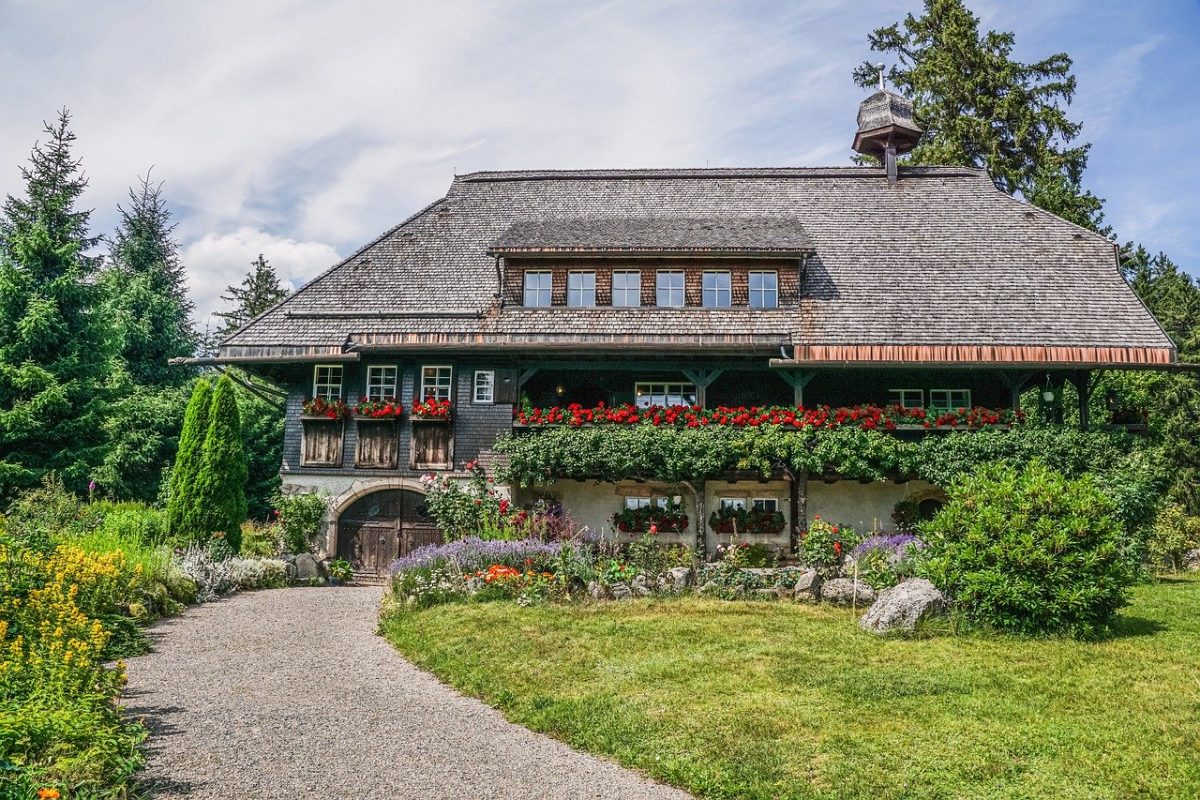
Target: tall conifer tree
221	484
55	348
181	504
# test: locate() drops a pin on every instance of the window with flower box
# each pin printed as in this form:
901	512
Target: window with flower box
949	399
664	394
381	382
907	398
327	381
435	382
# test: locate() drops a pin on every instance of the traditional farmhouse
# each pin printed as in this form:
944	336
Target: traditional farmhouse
916	287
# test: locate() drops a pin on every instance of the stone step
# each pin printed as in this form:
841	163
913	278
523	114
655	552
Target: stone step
369	578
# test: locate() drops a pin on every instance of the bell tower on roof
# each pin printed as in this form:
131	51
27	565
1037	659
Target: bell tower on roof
886	127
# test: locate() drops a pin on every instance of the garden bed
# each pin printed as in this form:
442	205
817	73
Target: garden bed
793	701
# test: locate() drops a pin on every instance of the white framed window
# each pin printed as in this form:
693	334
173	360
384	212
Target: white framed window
637	502
949	399
717	293
485	386
764	289
669	288
733	502
664	394
435	383
327	381
626	289
581	289
906	398
381	382
537	289
768	504
659	501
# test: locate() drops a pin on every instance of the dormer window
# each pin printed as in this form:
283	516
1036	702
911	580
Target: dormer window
581	289
717	293
764	289
669	288
626	288
537	289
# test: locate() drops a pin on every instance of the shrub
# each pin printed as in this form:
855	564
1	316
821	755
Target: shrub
884	561
261	539
257	573
1173	535
1029	551
129	522
211	578
40	514
182	518
300	517
824	546
220	489
473	554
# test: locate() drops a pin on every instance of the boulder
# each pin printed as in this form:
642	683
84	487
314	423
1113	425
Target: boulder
901	607
1191	561
620	591
766	594
307	568
596	591
845	591
639	586
808	587
679	578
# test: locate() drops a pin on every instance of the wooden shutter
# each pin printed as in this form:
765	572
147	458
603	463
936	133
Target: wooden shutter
377	444
322	446
505	390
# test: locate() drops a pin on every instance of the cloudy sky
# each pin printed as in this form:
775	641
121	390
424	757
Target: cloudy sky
303	129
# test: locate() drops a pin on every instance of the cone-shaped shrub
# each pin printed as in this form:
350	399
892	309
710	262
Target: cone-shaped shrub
221	484
182	500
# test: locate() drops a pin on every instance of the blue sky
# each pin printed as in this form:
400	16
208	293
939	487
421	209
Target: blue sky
303	129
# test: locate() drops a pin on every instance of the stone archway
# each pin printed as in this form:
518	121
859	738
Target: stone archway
374	522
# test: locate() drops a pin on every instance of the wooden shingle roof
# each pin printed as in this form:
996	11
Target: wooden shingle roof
940	259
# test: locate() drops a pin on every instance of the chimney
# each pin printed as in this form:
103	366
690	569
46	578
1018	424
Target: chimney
886	128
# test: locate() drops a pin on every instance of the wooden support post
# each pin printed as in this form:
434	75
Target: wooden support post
702	378
798	379
1083	388
1015	381
799	509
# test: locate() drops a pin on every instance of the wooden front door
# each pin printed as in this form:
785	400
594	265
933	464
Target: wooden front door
382	526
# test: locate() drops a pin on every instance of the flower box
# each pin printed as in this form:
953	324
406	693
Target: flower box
381	410
322	408
749	521
431	410
668	523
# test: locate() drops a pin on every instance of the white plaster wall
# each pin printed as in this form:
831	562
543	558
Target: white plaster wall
862	505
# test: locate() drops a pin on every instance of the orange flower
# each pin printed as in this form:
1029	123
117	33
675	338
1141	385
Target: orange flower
48	793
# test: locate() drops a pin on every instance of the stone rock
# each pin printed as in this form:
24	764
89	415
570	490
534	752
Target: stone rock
845	591
620	591
679	578
901	607
306	567
709	588
1191	561
639	586
596	591
289	567
766	594
808	587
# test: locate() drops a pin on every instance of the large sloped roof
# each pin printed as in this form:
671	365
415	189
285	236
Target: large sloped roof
941	259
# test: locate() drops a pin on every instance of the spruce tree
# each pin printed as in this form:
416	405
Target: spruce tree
259	291
221	484
182	502
146	294
55	348
982	108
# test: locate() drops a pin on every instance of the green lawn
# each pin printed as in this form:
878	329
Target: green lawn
776	700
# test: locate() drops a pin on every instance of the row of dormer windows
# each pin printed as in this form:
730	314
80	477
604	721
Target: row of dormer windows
716	289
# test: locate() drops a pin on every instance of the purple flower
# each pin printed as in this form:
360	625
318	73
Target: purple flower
472	554
893	544
91	486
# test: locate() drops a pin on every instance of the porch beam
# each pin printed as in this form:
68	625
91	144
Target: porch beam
625	366
1015	381
702	378
525	375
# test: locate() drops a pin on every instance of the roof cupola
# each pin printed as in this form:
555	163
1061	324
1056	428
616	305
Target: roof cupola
886	127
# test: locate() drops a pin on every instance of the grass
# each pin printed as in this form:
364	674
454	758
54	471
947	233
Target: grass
776	700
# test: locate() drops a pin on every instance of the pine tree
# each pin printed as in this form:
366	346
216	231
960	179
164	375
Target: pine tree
981	108
182	502
55	348
259	291
146	294
221	484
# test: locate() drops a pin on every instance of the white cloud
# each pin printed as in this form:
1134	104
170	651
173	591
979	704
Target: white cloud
217	261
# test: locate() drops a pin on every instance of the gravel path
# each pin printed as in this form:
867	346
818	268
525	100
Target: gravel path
288	693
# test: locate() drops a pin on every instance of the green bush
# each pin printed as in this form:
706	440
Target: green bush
181	503
1029	551
220	489
1173	535
300	517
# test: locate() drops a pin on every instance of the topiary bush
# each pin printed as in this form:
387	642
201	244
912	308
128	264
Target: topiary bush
1029	551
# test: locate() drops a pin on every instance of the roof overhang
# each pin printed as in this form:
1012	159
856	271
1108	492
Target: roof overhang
974	356
645	252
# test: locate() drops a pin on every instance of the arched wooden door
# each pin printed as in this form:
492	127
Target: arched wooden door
378	528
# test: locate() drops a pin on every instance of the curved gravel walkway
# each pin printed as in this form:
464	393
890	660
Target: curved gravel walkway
288	693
